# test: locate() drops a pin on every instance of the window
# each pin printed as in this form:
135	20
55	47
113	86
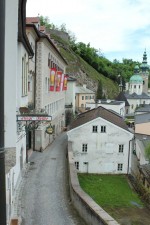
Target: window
120	166
103	129
95	129
86	97
82	97
77	165
84	147
121	147
134	86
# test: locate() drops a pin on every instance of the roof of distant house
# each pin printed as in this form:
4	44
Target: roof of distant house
32	20
102	113
83	90
122	97
144	108
135	96
142	118
71	79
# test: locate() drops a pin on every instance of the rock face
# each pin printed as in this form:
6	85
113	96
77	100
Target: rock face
82	78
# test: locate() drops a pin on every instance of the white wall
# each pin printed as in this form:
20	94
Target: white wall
51	101
118	108
11	32
103	148
70	94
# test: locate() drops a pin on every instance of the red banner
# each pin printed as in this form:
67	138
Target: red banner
52	78
58	80
65	83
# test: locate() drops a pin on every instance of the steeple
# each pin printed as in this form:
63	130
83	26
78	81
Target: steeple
144	66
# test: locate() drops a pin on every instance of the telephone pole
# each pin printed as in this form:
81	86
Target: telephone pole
2	151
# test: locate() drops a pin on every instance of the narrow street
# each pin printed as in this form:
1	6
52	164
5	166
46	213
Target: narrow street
45	194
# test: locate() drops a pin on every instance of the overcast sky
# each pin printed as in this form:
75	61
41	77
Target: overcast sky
119	28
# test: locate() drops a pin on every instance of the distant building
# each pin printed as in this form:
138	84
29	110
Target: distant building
101	142
116	106
136	93
83	95
70	94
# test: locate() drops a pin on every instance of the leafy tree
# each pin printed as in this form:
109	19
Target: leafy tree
99	93
147	152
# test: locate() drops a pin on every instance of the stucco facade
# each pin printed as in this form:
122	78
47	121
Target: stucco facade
117	106
51	102
104	151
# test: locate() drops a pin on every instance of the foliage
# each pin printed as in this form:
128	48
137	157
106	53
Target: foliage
147	152
99	93
109	190
69	117
110	69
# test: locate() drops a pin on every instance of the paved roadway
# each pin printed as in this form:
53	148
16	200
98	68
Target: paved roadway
45	194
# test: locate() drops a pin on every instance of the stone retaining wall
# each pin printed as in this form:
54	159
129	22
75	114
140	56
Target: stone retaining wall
90	211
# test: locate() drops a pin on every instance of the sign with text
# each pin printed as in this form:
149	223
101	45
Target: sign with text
33	118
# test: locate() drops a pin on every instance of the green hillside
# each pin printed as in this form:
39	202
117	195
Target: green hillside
76	64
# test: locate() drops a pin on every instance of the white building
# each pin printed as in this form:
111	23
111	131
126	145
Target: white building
51	102
17	53
117	106
136	93
83	95
101	142
70	94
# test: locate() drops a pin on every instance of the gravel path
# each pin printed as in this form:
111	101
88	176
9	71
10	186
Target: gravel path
45	194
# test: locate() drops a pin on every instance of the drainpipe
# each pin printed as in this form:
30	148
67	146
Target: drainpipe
129	155
35	89
2	151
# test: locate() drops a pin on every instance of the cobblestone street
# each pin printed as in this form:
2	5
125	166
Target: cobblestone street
45	192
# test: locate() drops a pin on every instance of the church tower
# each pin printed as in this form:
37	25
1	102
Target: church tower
136	82
144	72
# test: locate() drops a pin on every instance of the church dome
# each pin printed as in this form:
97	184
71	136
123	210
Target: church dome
136	79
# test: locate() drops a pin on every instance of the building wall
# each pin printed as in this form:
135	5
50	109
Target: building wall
136	88
136	102
32	37
143	128
11	31
51	102
83	98
70	95
118	108
102	154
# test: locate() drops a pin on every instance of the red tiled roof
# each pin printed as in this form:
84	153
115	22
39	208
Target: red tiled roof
106	114
30	20
42	28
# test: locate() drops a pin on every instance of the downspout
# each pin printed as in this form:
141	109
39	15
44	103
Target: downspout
35	89
129	155
2	151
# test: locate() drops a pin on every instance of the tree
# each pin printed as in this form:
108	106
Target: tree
147	152
99	93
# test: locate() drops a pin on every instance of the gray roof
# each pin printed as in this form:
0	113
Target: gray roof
101	112
71	79
142	118
83	90
122	97
144	108
135	96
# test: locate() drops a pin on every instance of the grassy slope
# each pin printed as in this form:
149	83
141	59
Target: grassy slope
75	63
109	191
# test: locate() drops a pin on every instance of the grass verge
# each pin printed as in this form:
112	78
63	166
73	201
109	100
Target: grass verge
109	191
